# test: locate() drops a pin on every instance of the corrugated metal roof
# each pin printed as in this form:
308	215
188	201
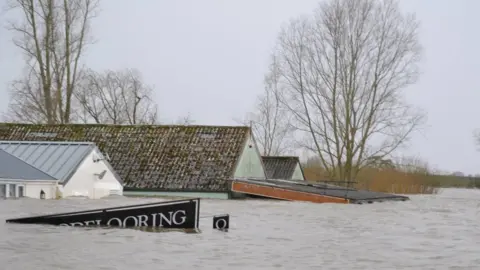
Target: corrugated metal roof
58	159
12	167
280	167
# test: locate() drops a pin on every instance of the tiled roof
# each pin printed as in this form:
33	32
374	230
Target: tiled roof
280	167
169	158
12	167
58	159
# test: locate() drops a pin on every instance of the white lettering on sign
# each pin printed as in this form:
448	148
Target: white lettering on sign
183	217
156	220
117	221
93	222
143	220
135	221
221	224
172	218
83	223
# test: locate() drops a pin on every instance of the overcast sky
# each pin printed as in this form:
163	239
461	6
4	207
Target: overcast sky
208	58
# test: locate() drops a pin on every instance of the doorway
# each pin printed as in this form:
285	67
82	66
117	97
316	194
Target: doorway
21	191
3	191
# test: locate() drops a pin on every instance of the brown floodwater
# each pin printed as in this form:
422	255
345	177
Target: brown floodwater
428	232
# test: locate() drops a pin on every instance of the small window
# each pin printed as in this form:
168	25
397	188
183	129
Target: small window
3	191
42	134
207	135
21	191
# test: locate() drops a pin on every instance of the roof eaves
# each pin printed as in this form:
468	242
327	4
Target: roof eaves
250	133
237	162
301	169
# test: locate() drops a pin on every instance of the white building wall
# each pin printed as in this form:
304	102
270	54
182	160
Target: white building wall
297	173
84	182
32	188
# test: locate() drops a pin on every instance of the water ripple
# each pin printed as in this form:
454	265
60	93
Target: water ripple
429	232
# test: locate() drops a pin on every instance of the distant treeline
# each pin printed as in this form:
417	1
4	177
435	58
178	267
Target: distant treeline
394	180
453	181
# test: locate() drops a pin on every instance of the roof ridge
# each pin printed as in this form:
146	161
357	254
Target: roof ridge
15	157
281	157
47	142
120	125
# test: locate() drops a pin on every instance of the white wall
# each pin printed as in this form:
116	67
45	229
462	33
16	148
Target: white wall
297	173
85	183
32	188
250	162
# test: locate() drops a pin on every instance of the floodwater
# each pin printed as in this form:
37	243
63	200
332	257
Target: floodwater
429	232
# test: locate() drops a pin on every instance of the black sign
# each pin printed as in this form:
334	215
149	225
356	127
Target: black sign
221	222
183	214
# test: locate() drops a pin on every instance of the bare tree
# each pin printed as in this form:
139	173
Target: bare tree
342	72
185	120
270	122
53	35
26	101
115	97
412	164
476	137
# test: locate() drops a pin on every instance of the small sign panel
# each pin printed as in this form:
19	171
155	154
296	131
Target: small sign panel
221	222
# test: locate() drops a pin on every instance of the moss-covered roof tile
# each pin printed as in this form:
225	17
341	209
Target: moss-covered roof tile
170	158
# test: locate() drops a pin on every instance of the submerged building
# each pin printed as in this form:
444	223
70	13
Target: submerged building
50	169
184	161
174	160
20	179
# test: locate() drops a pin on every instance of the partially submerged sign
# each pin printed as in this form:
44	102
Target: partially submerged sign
221	222
182	214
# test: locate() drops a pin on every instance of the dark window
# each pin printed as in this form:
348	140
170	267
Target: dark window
3	191
21	191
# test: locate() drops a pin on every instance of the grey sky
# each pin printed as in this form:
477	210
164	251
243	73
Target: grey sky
208	58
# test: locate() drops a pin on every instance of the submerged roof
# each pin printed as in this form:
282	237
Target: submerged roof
174	157
12	167
58	159
280	167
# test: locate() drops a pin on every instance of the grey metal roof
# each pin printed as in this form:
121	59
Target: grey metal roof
12	167
58	159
